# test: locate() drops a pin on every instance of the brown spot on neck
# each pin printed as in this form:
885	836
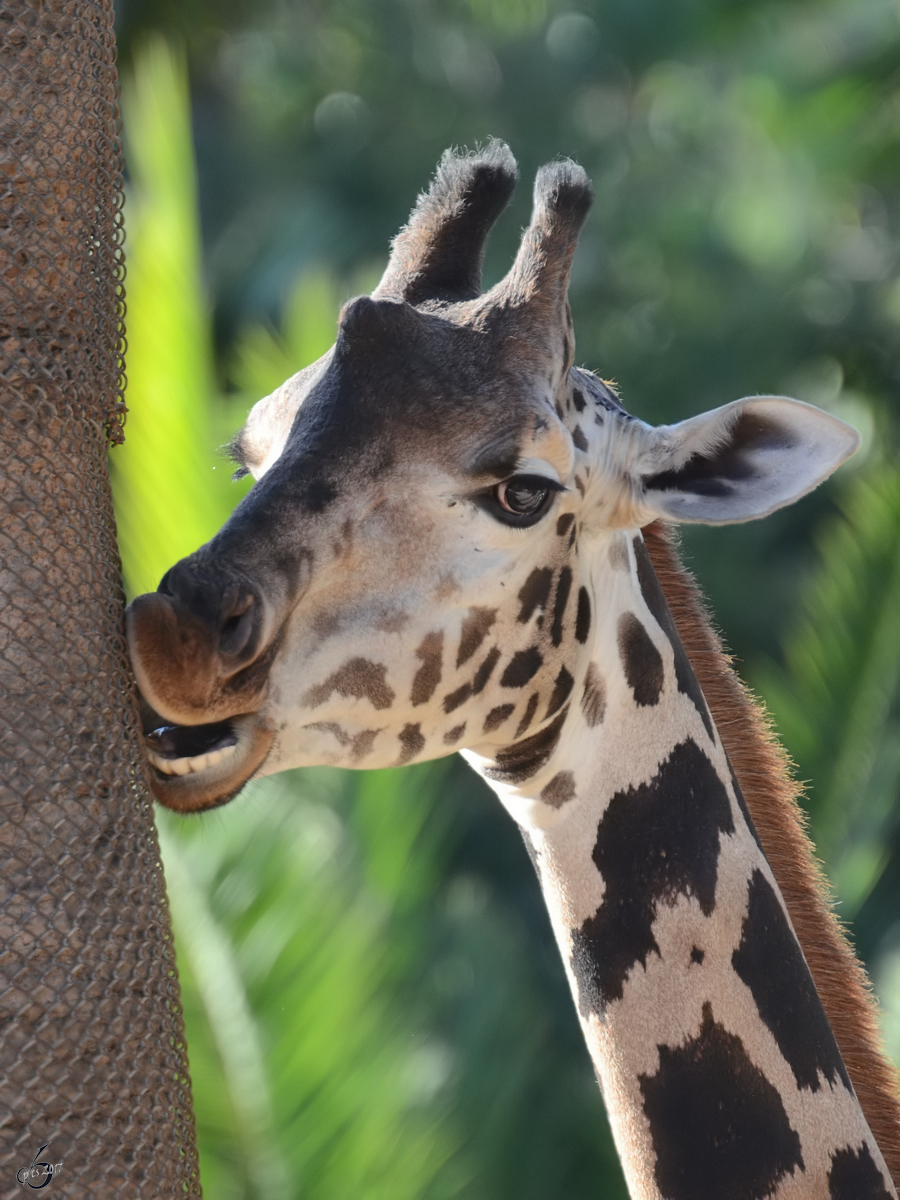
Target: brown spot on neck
497	716
641	661
560	790
593	700
562	689
411	743
516	763
563	588
528	715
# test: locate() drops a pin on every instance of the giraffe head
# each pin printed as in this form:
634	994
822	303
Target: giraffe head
438	527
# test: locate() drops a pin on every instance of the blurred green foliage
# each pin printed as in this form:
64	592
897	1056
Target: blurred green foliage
310	1079
375	1004
168	500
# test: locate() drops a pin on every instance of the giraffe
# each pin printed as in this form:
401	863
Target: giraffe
459	540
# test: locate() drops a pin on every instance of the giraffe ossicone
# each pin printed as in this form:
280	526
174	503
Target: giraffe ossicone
443	551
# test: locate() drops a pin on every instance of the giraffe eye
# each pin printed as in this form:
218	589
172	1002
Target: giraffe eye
523	500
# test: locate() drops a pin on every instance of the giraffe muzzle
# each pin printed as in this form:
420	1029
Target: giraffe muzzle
202	677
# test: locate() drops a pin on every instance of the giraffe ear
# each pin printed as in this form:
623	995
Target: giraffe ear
741	461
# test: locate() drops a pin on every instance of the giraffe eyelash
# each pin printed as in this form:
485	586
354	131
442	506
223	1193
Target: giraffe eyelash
235	451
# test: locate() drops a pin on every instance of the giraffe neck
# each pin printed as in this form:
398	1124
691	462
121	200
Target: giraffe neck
719	1068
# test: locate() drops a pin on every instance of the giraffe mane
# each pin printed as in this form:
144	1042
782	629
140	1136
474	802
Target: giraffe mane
764	772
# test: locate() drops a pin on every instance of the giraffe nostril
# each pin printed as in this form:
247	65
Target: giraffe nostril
237	626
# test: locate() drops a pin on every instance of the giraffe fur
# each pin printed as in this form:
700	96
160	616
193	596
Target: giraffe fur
701	904
443	550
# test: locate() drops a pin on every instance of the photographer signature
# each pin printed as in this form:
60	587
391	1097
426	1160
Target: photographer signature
38	1170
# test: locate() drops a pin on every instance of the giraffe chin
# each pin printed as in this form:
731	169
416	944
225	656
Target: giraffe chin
197	767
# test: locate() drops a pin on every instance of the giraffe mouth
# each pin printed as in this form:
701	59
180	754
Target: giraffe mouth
189	749
200	766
